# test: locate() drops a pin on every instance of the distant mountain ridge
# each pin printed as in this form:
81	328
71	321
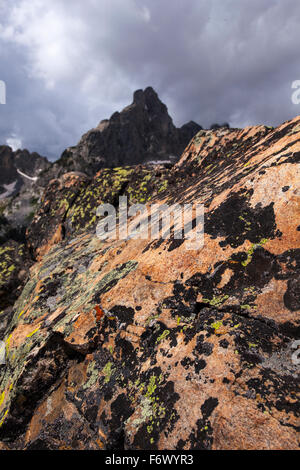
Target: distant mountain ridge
17	168
142	132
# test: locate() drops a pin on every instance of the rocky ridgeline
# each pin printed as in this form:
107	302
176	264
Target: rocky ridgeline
141	133
143	344
19	190
18	167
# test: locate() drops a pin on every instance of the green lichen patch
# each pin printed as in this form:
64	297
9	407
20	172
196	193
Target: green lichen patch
251	250
108	371
216	301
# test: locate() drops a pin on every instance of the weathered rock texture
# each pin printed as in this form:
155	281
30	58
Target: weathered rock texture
142	132
144	345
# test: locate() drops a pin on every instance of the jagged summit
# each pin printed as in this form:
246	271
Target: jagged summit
140	96
149	99
141	132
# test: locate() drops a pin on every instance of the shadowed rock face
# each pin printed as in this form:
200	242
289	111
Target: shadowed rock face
31	164
142	132
142	344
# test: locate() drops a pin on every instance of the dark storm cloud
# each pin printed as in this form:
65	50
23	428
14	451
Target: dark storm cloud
69	64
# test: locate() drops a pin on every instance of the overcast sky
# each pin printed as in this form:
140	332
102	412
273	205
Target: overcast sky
69	64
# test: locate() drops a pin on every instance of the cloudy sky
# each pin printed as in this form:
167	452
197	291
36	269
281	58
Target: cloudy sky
69	64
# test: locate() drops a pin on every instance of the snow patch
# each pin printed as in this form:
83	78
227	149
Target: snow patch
31	178
9	189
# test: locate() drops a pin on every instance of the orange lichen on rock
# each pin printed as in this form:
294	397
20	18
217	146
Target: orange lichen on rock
99	312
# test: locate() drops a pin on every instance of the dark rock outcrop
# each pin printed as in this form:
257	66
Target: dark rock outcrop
13	164
15	261
20	189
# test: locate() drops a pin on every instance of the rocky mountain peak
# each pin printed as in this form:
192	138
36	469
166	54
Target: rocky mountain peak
140	133
139	97
147	96
149	100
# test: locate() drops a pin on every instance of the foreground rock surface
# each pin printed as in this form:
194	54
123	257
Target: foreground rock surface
147	345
